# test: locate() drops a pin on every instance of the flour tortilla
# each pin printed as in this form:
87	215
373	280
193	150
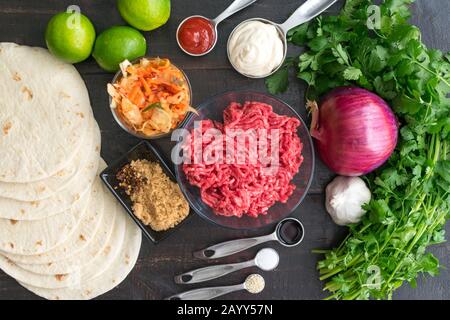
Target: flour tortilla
98	258
110	252
108	280
46	188
74	192
97	255
39	236
81	237
44	113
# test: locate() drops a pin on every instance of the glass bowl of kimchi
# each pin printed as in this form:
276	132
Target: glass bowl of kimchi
150	97
239	196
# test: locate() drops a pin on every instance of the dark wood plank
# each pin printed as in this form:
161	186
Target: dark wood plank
24	22
16	26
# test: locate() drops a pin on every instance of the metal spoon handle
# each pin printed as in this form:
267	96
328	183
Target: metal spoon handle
231	247
307	11
212	272
206	293
236	6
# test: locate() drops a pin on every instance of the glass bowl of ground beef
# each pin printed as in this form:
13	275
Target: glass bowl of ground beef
245	161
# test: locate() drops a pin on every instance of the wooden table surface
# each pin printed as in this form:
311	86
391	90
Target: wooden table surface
24	22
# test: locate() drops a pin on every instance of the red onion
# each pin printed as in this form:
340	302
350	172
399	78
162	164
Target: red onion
355	131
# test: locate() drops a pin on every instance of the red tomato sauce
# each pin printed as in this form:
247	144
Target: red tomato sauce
196	35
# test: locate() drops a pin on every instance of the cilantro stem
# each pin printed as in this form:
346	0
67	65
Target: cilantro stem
353	296
432	72
342	245
318	251
334	296
433	155
355	260
379	34
400	263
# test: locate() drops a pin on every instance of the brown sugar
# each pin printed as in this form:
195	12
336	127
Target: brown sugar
157	201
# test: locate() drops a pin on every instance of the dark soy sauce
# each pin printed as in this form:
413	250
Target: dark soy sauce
290	232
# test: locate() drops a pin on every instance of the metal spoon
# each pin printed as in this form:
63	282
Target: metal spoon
236	6
266	259
214	292
234	246
306	12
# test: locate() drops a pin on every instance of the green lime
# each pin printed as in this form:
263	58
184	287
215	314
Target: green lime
116	44
145	15
70	36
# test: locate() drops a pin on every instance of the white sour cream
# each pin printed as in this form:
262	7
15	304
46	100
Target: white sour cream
256	49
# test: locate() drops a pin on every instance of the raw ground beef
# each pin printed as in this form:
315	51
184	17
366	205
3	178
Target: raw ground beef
247	189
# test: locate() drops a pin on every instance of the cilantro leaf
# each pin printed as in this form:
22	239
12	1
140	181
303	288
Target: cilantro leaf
447	56
340	54
318	43
352	73
279	81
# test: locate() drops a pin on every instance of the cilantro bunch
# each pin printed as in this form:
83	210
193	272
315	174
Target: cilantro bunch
411	200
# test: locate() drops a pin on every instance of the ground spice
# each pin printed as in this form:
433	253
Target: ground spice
255	283
157	201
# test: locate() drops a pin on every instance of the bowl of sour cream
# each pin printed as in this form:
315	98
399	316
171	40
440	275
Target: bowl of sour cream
257	47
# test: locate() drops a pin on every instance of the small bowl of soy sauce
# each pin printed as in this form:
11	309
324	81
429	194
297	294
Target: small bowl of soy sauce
290	232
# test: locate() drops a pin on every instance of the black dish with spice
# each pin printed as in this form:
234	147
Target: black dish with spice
142	151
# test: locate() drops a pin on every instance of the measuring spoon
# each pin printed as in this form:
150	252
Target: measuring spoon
289	232
306	12
235	7
266	259
214	292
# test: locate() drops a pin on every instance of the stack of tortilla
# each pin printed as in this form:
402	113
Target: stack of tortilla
62	235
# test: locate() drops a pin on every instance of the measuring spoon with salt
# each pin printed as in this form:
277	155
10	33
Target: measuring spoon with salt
289	233
266	259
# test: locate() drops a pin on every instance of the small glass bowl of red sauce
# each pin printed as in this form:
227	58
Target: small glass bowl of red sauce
197	35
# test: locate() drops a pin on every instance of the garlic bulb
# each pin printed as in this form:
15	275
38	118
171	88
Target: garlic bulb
344	199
